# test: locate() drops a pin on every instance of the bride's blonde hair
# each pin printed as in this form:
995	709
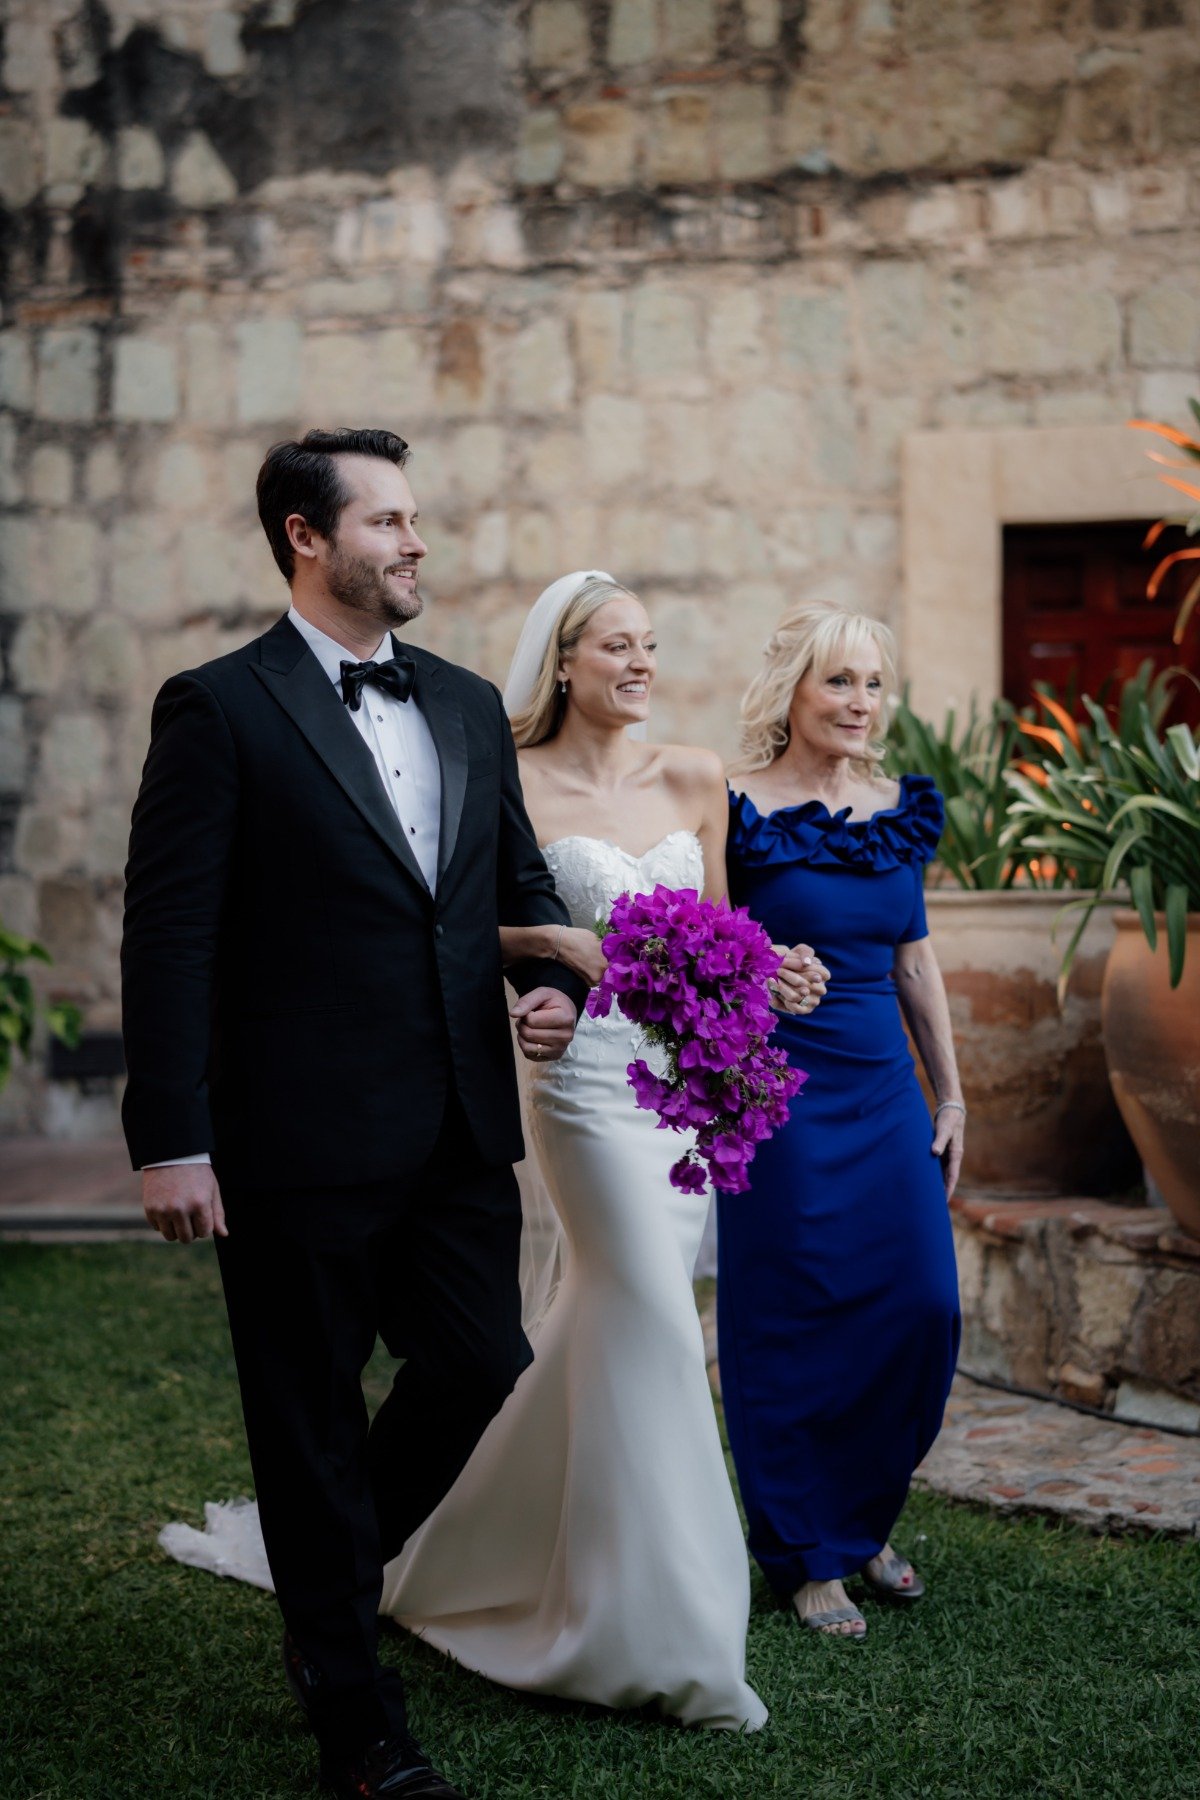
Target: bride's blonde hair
817	635
542	714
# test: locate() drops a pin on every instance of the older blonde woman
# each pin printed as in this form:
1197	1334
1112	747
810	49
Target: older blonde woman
837	1294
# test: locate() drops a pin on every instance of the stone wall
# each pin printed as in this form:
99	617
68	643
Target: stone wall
660	285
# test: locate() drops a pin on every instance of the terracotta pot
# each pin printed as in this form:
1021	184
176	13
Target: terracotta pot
1042	1114
1152	1042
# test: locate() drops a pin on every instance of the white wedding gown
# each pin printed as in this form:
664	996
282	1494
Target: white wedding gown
591	1548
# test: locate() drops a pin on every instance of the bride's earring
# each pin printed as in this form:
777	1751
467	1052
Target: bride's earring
562	688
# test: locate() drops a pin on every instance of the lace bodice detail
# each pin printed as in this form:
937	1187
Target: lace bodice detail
591	873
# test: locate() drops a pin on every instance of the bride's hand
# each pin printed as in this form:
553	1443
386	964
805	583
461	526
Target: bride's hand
799	985
580	951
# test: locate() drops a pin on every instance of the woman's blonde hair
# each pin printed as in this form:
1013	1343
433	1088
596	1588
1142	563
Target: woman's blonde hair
818	635
542	714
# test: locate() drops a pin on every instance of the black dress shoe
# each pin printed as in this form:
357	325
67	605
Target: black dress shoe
302	1677
394	1769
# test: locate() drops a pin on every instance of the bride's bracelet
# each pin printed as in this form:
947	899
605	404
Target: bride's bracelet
949	1106
557	944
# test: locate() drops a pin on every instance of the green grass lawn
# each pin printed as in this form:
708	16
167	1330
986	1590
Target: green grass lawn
1044	1661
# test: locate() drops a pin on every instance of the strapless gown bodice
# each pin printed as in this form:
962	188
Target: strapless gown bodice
590	873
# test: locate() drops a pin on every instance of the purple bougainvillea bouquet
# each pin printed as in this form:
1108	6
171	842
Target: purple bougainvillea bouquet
693	975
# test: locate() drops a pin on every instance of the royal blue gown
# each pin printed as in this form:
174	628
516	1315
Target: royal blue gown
837	1294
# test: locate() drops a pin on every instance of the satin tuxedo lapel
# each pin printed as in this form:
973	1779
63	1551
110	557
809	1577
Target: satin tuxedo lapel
294	678
444	717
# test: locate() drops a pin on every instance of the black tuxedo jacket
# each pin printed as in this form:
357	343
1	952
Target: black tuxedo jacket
295	1000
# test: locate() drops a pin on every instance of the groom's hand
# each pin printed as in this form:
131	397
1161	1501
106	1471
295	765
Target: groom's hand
183	1202
545	1021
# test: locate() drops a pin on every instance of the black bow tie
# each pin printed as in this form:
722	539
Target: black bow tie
395	678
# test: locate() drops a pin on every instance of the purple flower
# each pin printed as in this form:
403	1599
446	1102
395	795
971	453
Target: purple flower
693	975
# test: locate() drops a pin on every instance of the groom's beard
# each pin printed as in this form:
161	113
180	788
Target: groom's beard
365	589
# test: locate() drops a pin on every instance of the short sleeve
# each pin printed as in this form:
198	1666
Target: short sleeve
917	926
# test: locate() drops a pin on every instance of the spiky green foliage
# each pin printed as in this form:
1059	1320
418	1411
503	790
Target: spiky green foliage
18	1002
1130	810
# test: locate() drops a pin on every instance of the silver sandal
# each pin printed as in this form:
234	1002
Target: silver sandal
888	1585
837	1615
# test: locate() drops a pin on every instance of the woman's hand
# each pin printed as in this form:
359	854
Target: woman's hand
949	1123
580	951
799	984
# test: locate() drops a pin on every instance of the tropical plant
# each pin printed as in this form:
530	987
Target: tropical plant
1189	520
966	762
1130	810
969	764
19	1007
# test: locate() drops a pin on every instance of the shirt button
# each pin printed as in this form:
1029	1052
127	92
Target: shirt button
396	773
379	718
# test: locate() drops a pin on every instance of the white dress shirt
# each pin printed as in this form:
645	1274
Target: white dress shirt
398	737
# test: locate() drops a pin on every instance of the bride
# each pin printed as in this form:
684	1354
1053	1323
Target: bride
591	1548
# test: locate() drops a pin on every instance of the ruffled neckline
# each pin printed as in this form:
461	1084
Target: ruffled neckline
809	833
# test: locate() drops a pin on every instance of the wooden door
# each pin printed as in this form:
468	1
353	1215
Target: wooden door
1076	613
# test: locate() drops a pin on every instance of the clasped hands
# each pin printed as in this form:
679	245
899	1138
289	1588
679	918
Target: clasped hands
800	982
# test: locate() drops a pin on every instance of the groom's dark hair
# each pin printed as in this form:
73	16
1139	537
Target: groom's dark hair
304	478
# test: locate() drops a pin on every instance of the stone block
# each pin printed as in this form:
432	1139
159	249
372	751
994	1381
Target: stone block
744	120
75	159
554	466
1176	109
108	654
29	61
768	444
1107	105
762	21
21	572
143	583
789	541
632	32
489	546
874	538
533	546
732	544
1047	327
180	480
12	487
339	378
46	841
1143	1404
51	475
199	178
18	163
269	353
893	302
18	907
74	754
540	377
68	374
600	143
106	841
16	371
683	444
814	333
465	377
599	329
736	343
73	561
207	374
1164	326
665	340
680	148
689	29
145	381
558	36
14	751
223	50
102	472
540	151
1027	121
212	566
833	425
614	432
1165	396
888	420
480	460
403	376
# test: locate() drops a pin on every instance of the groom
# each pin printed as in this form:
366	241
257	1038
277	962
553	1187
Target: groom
328	835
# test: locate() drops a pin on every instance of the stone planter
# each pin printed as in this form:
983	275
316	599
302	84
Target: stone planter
1043	1118
1152	1042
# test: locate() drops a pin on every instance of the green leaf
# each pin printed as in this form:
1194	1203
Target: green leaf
1141	886
1176	909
